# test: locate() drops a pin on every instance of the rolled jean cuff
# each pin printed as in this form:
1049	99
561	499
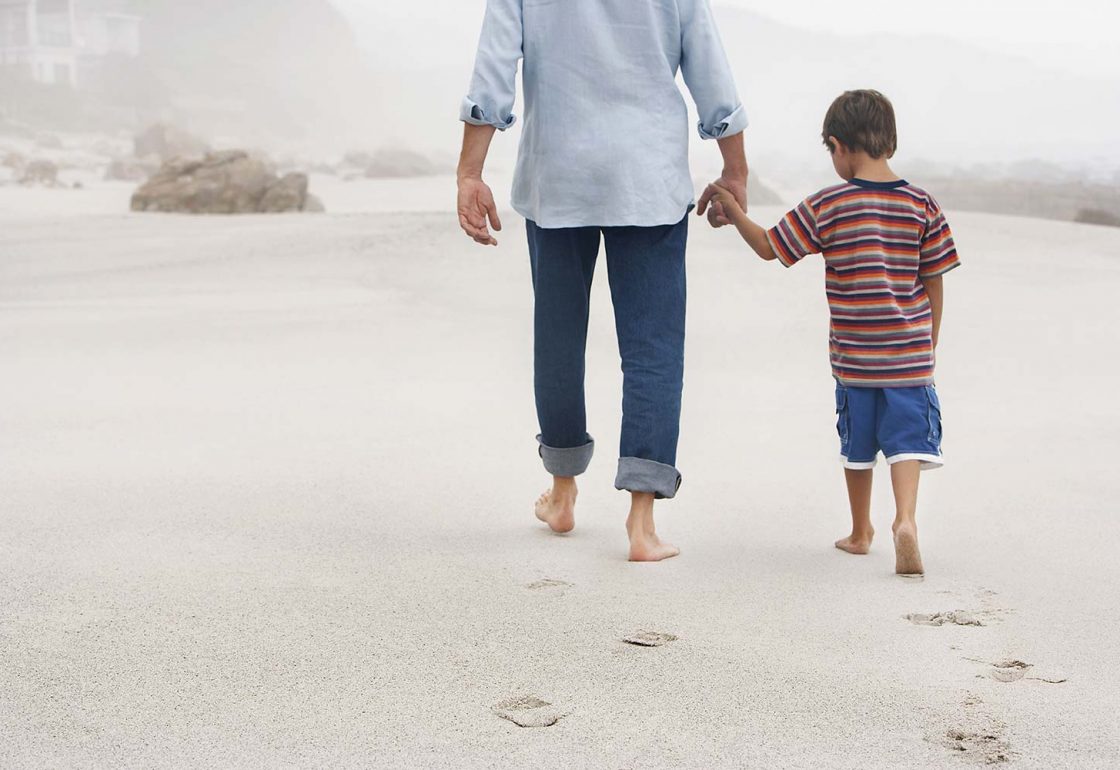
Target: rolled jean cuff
638	475
568	462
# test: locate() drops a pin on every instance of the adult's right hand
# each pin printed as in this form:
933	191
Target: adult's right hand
476	206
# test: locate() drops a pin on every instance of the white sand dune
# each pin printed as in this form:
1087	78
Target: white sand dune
267	488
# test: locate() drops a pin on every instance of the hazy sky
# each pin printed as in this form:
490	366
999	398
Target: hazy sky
999	81
1081	37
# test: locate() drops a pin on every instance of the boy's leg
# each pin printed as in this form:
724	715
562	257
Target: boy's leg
563	266
904	478
648	289
910	433
859	497
856	410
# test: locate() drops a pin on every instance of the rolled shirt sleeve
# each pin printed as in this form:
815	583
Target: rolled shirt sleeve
707	73
493	87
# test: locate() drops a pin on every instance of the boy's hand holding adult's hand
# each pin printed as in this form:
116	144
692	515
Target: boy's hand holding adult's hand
752	233
734	186
476	205
726	200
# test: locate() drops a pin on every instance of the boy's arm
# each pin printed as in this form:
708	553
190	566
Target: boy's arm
753	233
935	289
938	255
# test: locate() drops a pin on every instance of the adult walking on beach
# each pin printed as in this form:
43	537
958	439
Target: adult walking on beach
604	156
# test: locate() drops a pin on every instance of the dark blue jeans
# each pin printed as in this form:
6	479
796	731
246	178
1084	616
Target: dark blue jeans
646	267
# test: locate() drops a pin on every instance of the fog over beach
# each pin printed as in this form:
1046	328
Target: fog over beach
268	478
960	103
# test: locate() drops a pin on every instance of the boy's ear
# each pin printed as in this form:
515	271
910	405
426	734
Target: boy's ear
834	144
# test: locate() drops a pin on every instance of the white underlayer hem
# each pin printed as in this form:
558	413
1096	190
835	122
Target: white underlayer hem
854	466
929	462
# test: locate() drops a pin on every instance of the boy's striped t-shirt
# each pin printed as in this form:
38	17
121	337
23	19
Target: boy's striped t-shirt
879	239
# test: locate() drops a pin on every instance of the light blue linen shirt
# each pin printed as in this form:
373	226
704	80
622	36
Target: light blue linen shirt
605	138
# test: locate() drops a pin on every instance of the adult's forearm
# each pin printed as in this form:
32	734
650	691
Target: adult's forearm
734	156
476	146
935	290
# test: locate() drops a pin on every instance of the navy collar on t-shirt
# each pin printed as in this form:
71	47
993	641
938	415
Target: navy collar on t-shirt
878	185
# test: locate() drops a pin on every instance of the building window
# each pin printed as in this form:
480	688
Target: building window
13	27
54	30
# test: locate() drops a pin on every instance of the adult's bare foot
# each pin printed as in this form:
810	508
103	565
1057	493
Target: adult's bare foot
908	559
858	544
645	545
557	507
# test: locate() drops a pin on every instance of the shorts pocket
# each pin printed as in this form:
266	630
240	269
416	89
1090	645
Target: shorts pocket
843	416
934	413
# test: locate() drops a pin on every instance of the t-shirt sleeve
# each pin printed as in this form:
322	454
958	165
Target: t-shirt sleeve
796	236
938	251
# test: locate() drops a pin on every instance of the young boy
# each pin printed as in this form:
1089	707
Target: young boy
886	246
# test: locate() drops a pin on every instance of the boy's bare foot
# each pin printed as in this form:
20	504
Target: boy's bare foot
908	559
856	544
557	507
645	545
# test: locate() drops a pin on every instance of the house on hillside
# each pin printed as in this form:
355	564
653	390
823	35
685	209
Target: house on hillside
65	41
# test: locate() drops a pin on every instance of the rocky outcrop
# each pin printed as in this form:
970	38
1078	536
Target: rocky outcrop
166	142
14	160
313	205
761	194
230	182
40	173
390	164
131	169
1098	217
288	194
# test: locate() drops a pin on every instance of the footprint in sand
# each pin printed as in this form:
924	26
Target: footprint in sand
528	711
1015	670
987	747
980	739
548	583
954	618
1009	670
649	639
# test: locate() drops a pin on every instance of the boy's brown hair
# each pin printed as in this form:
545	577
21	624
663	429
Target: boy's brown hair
862	120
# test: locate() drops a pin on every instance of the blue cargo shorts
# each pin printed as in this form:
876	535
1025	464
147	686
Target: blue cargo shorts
902	423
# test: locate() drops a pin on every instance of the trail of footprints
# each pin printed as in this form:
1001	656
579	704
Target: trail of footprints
978	737
531	711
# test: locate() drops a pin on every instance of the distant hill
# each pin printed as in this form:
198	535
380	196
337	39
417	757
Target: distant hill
1067	201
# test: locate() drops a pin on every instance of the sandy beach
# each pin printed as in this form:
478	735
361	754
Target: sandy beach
267	501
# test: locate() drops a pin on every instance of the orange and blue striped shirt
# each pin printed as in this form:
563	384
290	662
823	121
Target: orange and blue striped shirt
879	240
